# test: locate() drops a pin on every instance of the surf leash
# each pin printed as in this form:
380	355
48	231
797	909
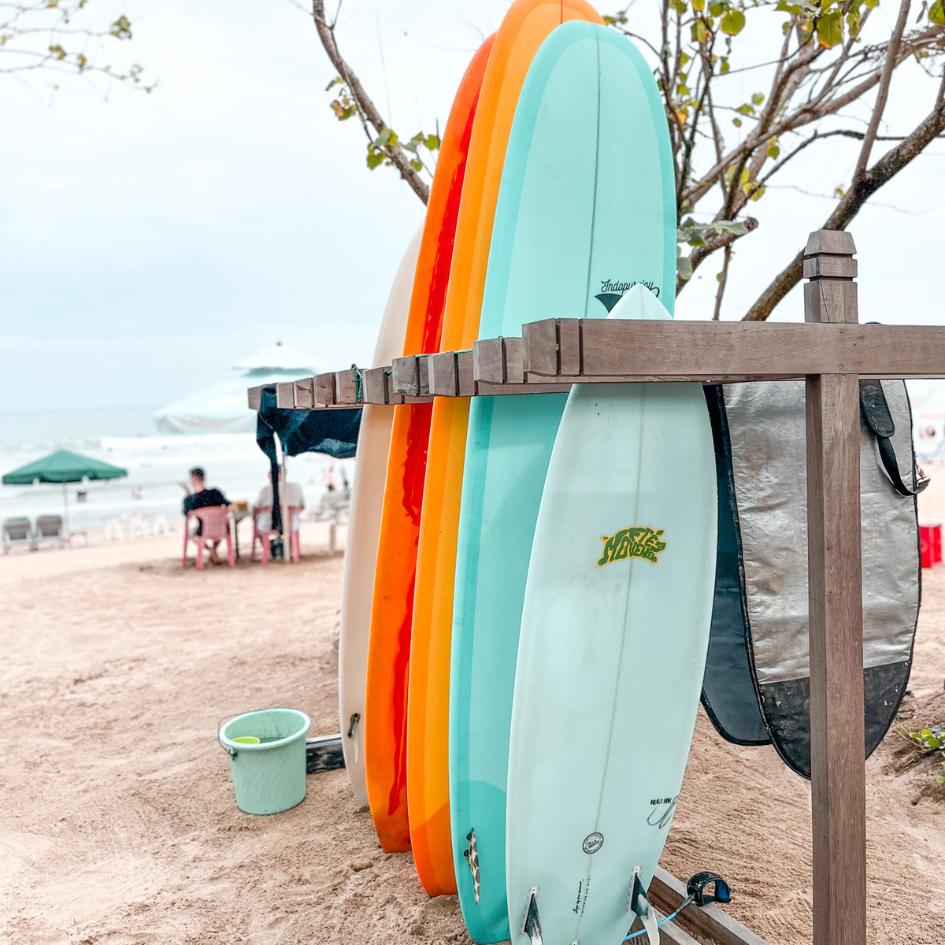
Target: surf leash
356	372
696	893
688	901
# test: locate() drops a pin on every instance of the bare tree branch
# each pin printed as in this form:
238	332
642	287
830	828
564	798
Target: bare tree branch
882	95
723	283
367	110
863	187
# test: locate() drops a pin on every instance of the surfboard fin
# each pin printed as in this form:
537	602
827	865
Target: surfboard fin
639	905
532	924
353	734
472	859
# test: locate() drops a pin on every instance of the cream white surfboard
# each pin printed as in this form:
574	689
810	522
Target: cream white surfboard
367	498
615	626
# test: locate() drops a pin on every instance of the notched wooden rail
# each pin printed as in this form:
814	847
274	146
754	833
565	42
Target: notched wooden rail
450	374
621	351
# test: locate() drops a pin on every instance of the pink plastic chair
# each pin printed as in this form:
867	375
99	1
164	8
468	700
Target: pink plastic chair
215	526
263	536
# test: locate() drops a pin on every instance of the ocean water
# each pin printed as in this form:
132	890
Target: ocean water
157	467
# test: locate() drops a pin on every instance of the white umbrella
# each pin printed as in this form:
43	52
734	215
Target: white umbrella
221	408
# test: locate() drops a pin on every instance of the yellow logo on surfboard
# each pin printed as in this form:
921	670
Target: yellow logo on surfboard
637	541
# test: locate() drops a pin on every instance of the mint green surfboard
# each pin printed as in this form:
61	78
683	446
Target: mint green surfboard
611	654
586	209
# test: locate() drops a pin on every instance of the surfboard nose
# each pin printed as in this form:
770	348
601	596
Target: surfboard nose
637	302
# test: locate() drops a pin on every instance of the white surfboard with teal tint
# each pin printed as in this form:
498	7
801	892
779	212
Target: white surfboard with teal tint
586	207
612	649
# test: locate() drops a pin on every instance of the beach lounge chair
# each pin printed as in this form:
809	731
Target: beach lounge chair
215	526
50	530
263	532
17	533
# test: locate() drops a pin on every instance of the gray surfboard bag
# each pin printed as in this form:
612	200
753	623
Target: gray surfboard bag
756	689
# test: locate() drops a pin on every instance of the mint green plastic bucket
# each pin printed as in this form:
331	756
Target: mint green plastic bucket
268	775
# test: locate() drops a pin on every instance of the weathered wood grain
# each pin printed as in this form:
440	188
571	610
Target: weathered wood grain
404	377
605	349
285	395
838	778
499	361
449	374
488	361
324	389
374	385
346	388
484	389
304	393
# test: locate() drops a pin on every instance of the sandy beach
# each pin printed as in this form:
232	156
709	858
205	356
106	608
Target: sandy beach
118	822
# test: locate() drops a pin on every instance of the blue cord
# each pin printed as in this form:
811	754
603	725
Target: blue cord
686	902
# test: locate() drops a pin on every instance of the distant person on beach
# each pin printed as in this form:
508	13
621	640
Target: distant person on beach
202	498
290	496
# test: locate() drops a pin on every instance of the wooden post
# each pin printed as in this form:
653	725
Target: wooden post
838	779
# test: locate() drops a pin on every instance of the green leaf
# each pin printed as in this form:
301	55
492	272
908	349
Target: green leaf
341	111
757	98
830	29
735	227
431	142
937	13
733	22
374	158
121	28
773	150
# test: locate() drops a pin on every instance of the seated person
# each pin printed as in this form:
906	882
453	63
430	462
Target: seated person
290	497
202	498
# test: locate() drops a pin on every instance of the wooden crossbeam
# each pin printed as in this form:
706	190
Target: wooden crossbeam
493	366
555	353
626	350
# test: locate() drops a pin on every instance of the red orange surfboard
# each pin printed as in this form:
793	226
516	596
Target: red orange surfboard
386	706
526	25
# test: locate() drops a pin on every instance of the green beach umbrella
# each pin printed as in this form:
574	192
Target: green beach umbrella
64	467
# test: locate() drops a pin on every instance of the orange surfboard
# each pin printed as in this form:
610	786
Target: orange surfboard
386	706
526	25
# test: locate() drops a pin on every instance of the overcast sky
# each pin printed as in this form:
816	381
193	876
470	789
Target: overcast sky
149	241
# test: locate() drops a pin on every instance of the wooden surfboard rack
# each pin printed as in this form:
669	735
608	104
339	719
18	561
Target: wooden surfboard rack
830	351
